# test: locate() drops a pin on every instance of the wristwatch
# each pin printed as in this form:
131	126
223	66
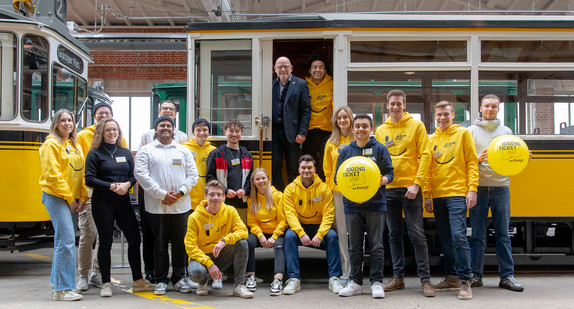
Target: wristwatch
181	192
223	239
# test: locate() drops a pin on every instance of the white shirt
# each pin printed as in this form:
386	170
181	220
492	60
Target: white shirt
147	137
160	168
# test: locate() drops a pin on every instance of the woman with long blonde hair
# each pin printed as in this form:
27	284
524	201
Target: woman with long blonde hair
341	137
63	193
266	219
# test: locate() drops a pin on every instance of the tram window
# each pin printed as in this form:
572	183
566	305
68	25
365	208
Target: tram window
35	78
408	51
69	92
8	80
527	51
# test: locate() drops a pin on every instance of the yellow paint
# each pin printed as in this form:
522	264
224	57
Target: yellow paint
39	257
164	299
21	194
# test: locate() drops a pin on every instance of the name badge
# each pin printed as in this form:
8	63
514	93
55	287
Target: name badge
368	151
234	162
69	148
120	159
176	162
390	143
317	199
437	154
207	226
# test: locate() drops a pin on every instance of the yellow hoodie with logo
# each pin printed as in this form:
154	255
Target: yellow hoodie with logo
330	161
86	136
313	205
63	170
408	145
454	165
267	221
205	230
200	154
321	103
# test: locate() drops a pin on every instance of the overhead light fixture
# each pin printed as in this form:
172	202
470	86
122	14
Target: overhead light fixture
410	73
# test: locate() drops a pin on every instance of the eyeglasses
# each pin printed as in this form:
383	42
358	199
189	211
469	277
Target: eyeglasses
166	108
283	67
215	194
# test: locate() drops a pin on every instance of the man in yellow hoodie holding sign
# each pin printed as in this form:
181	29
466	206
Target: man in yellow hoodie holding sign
216	239
451	182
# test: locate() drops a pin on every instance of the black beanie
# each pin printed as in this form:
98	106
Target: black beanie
160	119
101	104
201	120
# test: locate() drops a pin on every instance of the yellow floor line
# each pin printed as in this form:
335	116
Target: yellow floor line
187	304
39	257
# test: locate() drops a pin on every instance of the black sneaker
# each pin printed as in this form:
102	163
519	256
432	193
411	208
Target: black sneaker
511	284
476	281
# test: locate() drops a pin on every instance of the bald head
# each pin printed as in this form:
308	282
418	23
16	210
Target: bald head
283	69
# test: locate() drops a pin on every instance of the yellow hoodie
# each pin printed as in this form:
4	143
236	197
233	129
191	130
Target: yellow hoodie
330	161
454	165
200	154
63	170
205	230
409	150
86	136
313	205
321	103
267	221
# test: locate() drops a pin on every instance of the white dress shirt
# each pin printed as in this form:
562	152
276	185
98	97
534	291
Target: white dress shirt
160	168
147	137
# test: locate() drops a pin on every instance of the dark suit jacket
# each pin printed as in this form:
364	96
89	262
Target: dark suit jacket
296	108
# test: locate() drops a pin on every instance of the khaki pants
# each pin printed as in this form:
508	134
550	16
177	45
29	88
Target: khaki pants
341	229
87	257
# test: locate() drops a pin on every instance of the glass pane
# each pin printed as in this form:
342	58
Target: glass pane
63	89
550	118
545	87
8	80
140	120
81	103
527	51
35	78
408	51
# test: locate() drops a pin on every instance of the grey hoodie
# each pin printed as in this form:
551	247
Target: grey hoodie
484	131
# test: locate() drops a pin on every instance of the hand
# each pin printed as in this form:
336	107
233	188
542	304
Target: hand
217	249
240	193
81	206
412	191
305	240
471	199
300	138
263	241
231	193
122	188
428	205
384	181
316	242
73	206
214	272
483	157
270	242
170	198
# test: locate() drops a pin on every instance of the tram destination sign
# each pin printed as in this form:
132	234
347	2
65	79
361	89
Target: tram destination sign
70	59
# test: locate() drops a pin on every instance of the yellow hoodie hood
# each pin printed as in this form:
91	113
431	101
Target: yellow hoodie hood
407	142
321	103
200	153
454	165
205	230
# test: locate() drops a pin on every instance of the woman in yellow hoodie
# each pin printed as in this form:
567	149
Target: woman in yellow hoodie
266	219
341	137
64	193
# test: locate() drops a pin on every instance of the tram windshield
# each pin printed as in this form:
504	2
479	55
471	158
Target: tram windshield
69	92
35	78
8	80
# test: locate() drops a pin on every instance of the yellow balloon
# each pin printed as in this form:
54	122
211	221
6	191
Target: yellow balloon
358	178
508	155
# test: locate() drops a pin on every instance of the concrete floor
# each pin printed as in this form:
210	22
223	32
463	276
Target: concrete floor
24	283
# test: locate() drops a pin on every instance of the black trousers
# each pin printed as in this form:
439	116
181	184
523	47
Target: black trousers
168	228
282	147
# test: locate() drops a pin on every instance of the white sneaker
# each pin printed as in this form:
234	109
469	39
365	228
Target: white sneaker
106	290
192	283
242	292
202	289
67	295
335	285
351	289
251	283
182	286
82	284
160	288
96	280
217	284
292	285
276	287
378	290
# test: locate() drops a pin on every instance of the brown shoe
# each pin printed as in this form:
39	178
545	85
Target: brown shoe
448	283
465	291
428	290
396	283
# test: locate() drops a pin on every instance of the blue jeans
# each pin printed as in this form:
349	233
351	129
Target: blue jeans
397	203
235	255
498	198
330	244
374	224
63	276
450	215
253	241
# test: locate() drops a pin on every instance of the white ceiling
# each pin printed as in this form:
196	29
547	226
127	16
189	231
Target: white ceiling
177	13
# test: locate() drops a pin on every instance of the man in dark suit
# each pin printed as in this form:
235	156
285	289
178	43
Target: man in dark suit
291	115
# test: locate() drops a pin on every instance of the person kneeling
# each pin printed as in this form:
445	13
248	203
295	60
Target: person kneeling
216	239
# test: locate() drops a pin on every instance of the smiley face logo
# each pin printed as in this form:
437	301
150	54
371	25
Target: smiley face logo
448	149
